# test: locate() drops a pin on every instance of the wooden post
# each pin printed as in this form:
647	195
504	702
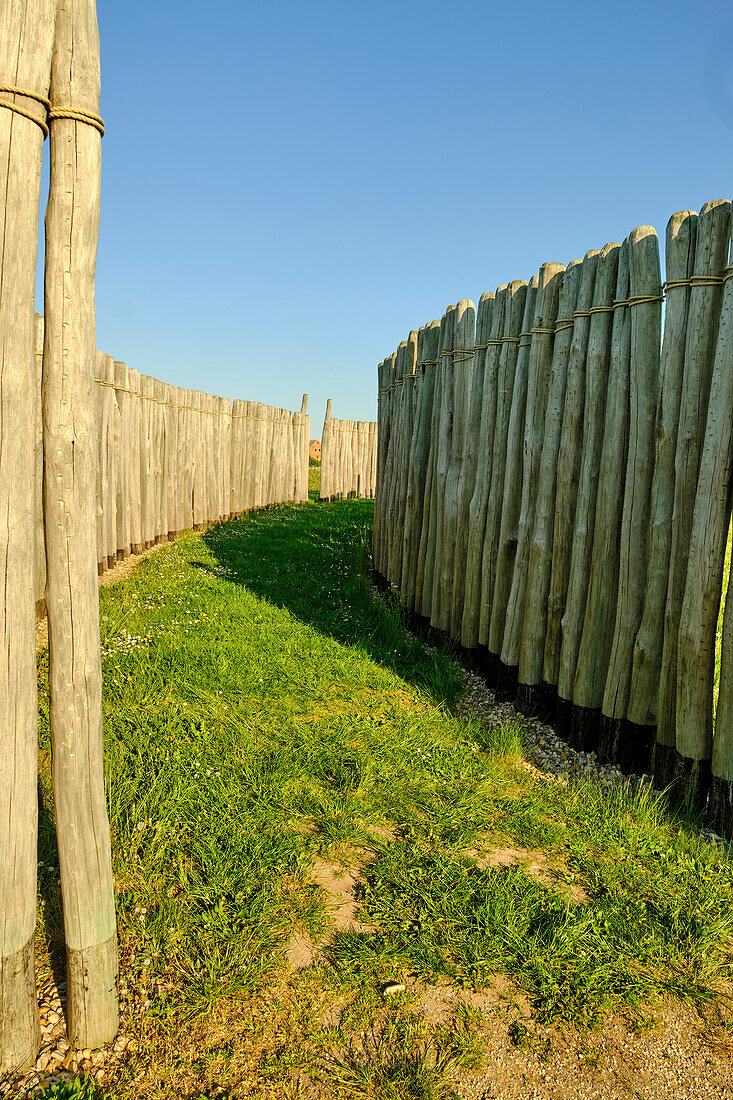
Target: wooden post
512	497
445	428
516	303
540	559
701	602
645	303
472	443
568	470
40	541
26	34
647	659
303	453
461	376
426	553
75	672
123	460
326	448
102	400
424	465
600	610
719	418
538	379
135	490
171	462
704	310
596	384
489	330
427	349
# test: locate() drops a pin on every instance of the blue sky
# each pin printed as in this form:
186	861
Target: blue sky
289	188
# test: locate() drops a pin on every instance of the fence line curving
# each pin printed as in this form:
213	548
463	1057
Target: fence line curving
553	492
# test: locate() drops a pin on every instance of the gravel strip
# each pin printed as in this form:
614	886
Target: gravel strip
545	751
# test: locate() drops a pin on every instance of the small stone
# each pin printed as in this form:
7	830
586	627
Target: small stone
393	987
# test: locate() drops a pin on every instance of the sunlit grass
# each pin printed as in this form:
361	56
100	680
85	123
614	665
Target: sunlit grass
261	710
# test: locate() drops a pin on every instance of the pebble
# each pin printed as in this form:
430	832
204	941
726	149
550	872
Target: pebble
544	750
57	1061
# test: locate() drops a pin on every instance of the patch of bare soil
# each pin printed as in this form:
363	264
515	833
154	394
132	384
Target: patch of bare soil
341	888
680	1059
537	864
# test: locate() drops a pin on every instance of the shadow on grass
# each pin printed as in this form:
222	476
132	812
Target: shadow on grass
313	560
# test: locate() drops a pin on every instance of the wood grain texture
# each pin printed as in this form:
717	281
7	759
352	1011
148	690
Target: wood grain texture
473	444
681	236
646	323
516	302
568	470
600	609
462	380
538	378
26	35
596	384
711	251
512	497
75	674
534	626
702	594
489	329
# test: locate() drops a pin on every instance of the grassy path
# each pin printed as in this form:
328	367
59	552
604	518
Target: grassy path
266	720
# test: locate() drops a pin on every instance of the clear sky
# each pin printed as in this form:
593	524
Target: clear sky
290	187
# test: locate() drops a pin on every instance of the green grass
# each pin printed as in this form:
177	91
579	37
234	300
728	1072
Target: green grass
314	481
262	710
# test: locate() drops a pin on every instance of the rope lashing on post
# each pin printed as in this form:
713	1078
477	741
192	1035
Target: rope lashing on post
569	322
77	116
694	280
643	299
192	408
542	332
12	90
52	112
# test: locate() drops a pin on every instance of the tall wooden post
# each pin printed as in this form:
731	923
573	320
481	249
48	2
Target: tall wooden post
600	607
680	261
534	626
645	304
596	385
516	294
711	251
75	673
568	470
538	379
26	36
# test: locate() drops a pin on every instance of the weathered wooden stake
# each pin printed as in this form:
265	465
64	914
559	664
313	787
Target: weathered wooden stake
26	34
75	673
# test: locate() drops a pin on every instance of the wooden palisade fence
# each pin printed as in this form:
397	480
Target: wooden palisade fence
170	459
554	493
125	461
348	458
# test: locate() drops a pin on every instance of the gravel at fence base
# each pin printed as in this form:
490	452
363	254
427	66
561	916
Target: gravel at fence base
56	1060
545	751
